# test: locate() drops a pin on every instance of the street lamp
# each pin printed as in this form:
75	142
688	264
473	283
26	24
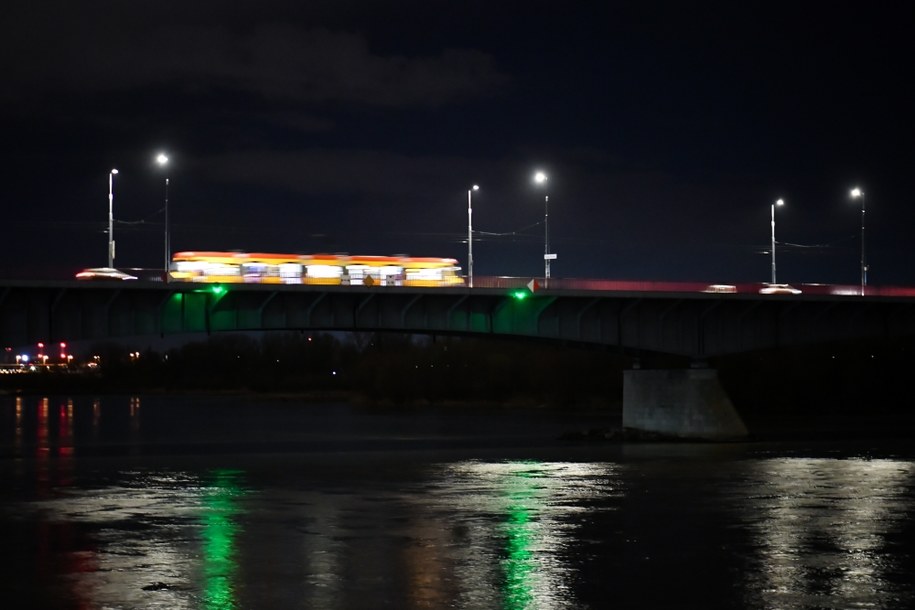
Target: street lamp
111	217
470	234
779	202
162	160
541	178
855	194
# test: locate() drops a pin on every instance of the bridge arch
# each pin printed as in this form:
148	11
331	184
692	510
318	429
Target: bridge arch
692	325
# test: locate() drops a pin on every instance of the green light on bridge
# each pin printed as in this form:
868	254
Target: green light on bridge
216	290
520	294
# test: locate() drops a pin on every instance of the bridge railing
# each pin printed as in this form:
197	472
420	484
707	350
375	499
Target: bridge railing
510	282
600	285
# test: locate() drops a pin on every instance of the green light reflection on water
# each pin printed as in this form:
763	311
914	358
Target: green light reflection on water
219	534
520	564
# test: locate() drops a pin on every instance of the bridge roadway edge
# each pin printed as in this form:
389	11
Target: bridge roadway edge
694	325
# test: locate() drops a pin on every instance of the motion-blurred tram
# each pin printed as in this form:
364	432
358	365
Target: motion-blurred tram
320	269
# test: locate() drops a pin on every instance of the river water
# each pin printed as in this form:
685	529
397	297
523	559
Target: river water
224	503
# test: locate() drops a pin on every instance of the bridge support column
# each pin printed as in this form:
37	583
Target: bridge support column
682	403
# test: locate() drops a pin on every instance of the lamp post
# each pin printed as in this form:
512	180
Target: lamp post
779	202
111	217
857	193
162	160
470	233
541	178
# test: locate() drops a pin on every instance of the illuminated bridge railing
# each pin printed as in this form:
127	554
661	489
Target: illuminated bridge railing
600	285
634	286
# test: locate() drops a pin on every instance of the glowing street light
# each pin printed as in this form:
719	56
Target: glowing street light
111	217
857	193
779	202
162	160
541	178
470	234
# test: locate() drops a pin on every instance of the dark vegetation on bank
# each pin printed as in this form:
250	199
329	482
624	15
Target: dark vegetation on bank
842	379
370	368
854	387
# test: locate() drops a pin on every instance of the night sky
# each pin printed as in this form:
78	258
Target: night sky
666	129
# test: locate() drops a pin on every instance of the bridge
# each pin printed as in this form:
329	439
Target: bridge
694	321
689	320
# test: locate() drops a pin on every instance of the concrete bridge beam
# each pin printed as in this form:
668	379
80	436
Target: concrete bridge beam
681	403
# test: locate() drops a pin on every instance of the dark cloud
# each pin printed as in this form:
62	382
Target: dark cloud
275	61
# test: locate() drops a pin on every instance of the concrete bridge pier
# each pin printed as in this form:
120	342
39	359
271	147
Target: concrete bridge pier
682	403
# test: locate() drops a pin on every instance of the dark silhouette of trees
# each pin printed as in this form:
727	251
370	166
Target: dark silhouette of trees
371	367
393	368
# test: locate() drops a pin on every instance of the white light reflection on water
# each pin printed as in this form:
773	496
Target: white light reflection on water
518	521
165	541
824	531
